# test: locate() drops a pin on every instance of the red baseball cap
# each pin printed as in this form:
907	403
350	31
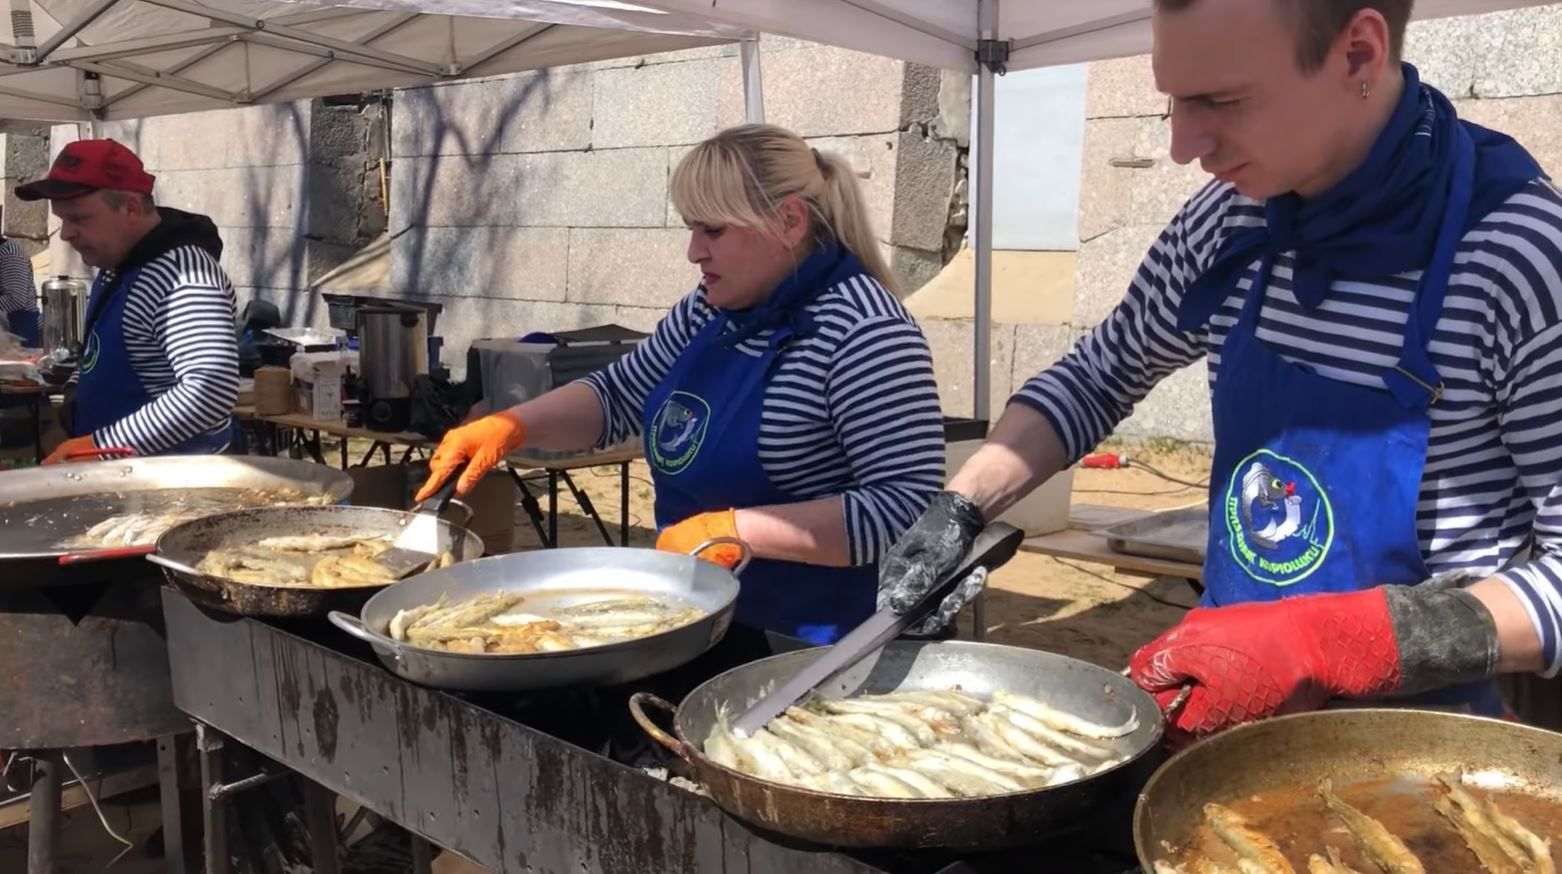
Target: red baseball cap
90	165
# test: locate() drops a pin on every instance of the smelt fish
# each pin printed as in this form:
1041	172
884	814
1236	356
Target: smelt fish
313	542
1063	721
884	785
1249	843
917	728
1049	735
929	787
1497	830
816	744
1027	774
1386	851
1539	850
949	702
1481	842
966	778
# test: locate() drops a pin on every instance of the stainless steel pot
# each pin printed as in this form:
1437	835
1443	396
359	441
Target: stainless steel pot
64	310
690	580
392	350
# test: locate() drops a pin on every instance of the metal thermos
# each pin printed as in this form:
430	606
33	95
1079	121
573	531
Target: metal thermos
392	350
64	310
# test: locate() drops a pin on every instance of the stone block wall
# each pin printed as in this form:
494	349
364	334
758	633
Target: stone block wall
540	201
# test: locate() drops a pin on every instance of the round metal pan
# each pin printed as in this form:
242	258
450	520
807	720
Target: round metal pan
689	580
189	542
979	669
1379	759
29	547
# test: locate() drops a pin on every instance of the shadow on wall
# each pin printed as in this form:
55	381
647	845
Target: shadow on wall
276	256
457	139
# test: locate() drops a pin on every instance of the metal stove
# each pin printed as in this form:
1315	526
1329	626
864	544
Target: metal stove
547	782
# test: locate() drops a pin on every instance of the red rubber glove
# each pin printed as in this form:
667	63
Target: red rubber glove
64	451
695	530
1250	661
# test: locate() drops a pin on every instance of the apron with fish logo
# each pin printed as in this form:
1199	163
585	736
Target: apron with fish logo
701	434
1315	482
109	389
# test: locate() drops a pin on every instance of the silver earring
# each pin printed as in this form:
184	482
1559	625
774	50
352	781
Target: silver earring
1365	89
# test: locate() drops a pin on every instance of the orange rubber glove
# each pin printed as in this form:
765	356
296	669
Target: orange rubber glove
484	443
695	530
63	452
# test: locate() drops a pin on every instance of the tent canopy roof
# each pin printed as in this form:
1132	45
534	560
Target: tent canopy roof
944	33
115	59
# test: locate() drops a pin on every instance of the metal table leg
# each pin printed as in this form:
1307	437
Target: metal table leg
208	744
553	507
43	825
37	408
173	814
623	504
584	500
532	508
422	856
320	814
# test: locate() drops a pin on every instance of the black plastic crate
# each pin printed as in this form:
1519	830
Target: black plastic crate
342	310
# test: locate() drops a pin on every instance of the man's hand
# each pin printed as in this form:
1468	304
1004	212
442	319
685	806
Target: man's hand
931	548
484	443
1251	661
70	447
695	530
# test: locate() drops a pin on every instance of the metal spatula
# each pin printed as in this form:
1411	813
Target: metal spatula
423	540
994	546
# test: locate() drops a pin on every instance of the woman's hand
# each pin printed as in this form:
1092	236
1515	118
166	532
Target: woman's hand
481	445
686	535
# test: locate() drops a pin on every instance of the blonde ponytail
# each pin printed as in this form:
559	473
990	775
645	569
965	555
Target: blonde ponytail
739	176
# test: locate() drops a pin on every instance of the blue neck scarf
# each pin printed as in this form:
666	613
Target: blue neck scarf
827	265
1381	219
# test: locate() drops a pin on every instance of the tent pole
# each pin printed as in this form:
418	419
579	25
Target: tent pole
990	58
753	82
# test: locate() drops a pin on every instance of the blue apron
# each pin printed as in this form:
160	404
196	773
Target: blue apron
24	324
701	433
108	389
1315	482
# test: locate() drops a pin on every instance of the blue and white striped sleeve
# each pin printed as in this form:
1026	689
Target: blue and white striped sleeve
1531	394
1096	385
188	308
883	403
622	386
17	292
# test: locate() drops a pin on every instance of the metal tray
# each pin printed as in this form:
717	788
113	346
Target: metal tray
1176	535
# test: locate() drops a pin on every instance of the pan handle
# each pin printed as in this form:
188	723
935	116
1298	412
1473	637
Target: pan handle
71	558
176	566
637	704
745	555
106	453
1177	702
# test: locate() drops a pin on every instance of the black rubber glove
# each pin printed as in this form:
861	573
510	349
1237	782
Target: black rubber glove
932	547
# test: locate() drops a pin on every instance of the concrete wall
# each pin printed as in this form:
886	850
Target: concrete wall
1500	69
539	201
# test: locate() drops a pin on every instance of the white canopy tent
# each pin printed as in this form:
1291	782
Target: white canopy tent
101	60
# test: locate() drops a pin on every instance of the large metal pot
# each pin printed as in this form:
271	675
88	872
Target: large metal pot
64	311
41	507
965	824
392	351
692	581
1381	759
189	542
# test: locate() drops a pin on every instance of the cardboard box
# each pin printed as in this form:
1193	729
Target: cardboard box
317	381
1043	511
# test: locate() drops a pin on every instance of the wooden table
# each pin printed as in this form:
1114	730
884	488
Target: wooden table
524	467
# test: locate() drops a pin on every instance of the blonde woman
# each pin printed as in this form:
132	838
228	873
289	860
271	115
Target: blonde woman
789	400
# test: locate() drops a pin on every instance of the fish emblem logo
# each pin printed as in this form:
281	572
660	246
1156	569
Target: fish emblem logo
89	353
1279	522
677	432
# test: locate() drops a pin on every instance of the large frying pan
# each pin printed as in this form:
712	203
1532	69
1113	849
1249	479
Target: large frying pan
546	573
964	824
189	542
1379	759
43	506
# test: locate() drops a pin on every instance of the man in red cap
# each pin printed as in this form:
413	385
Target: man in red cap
159	370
